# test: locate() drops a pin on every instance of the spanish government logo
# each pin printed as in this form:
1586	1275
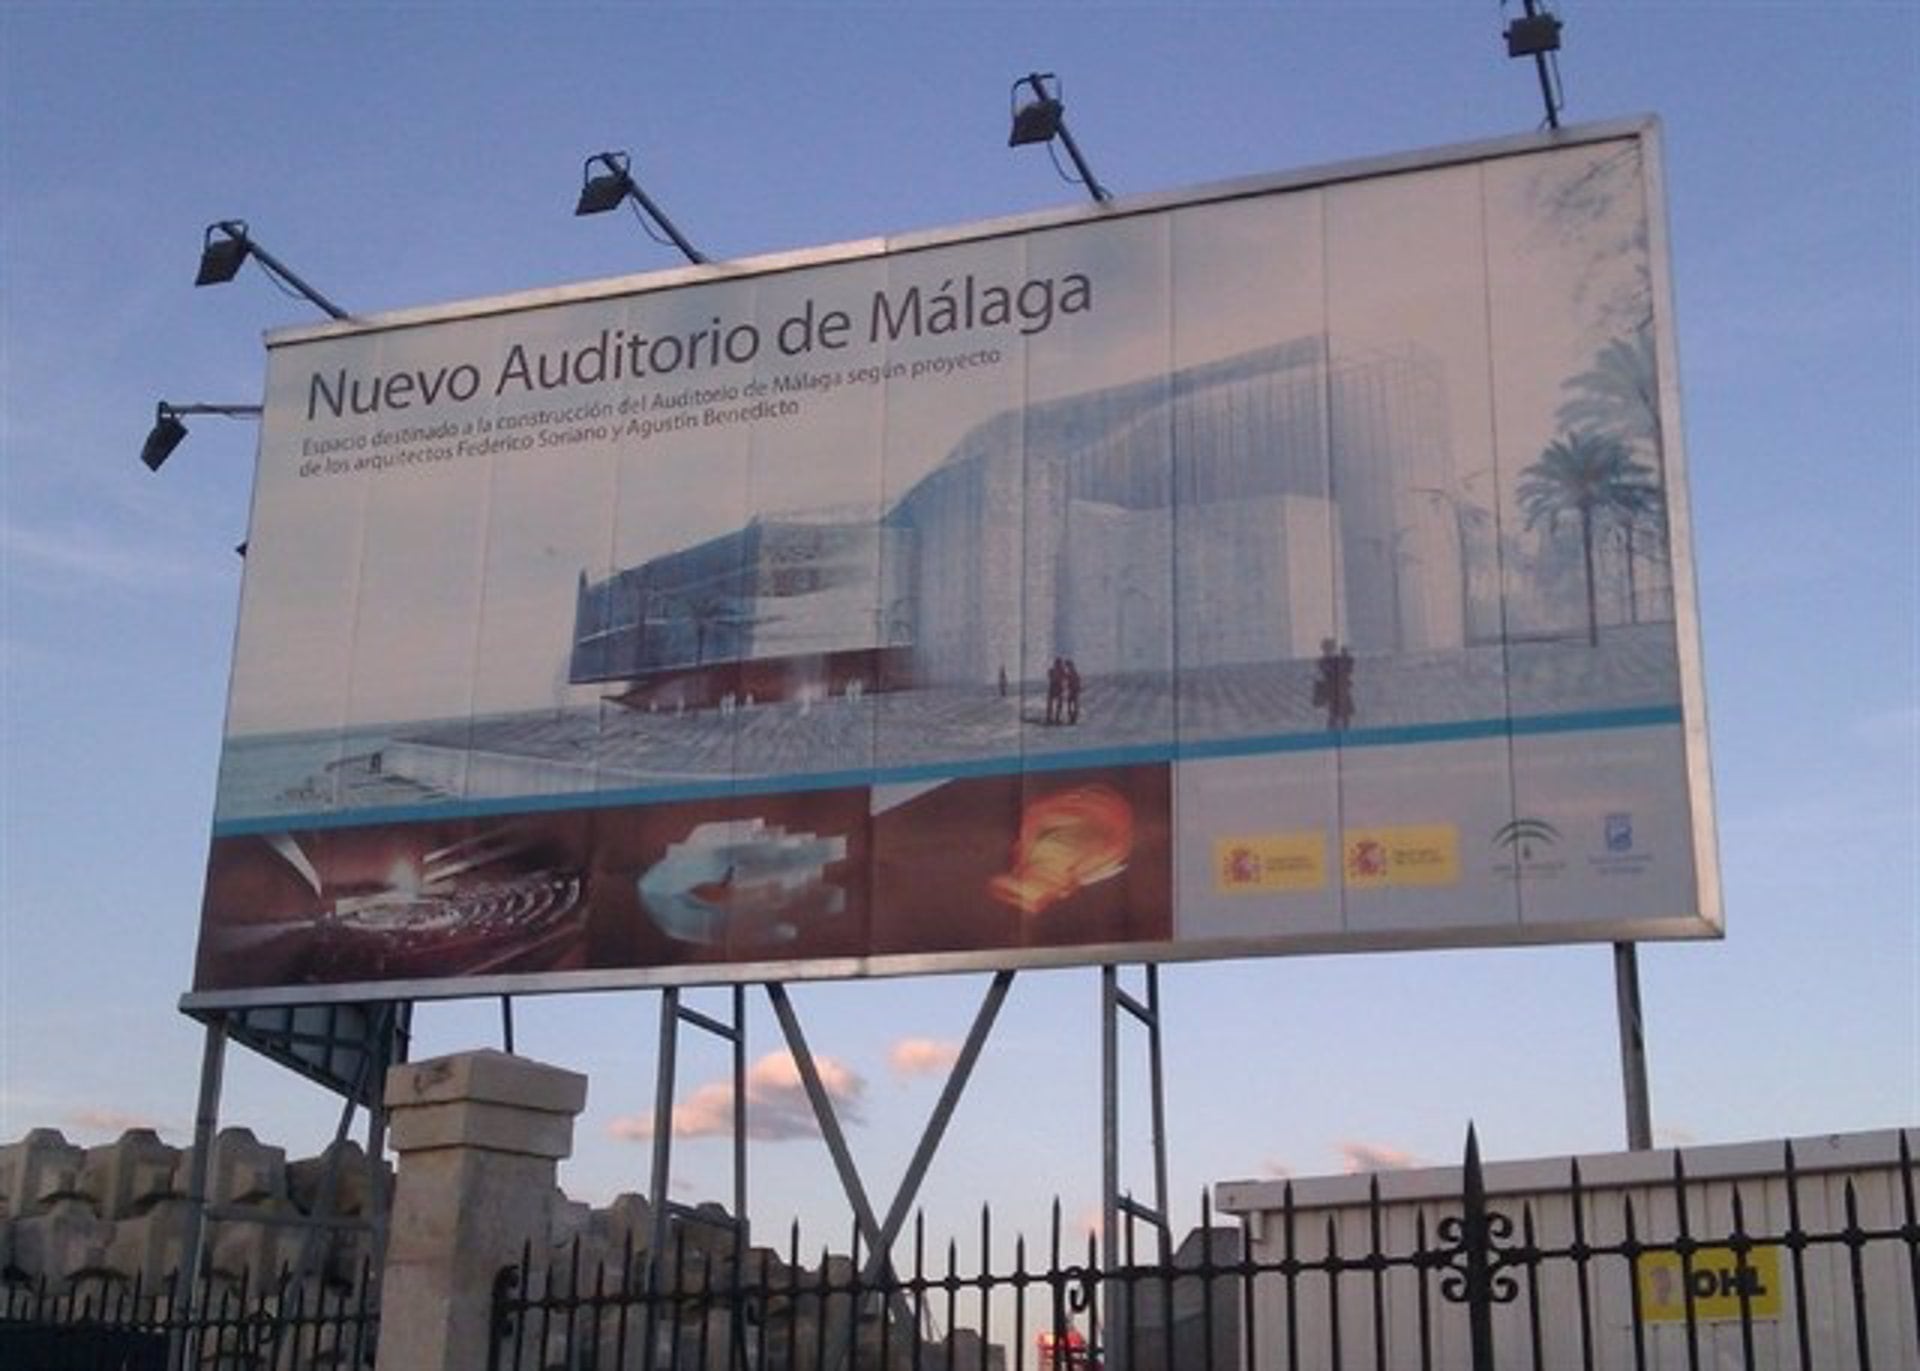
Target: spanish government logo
1270	862
1407	855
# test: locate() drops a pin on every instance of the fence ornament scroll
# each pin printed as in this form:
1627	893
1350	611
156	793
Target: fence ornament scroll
1475	1254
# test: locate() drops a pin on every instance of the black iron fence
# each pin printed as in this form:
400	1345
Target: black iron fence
1583	1277
1781	1266
105	1323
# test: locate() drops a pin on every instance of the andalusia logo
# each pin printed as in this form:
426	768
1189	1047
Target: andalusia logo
1522	835
1528	841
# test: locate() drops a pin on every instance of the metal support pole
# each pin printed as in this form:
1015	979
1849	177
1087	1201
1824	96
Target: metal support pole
1110	1117
1114	999
942	1115
823	1113
506	1024
663	1126
206	1125
673	1013
1633	1047
390	1044
881	1235
326	1201
1158	1084
740	1114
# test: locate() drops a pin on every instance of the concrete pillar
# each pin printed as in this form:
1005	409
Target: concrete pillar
478	1137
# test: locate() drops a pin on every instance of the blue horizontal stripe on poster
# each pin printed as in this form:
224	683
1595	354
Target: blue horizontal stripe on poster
1402	735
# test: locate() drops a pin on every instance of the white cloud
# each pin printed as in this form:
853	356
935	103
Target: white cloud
922	1056
1894	726
86	556
777	1105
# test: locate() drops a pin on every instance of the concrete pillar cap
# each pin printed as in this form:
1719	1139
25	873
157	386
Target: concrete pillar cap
486	1077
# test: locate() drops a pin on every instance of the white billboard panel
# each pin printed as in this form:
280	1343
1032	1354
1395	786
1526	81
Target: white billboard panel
1293	565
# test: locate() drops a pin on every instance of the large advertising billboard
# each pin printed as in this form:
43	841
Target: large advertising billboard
1293	565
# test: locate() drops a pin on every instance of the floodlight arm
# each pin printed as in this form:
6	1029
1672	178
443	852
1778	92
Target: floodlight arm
230	411
1094	188
659	216
617	165
237	230
168	431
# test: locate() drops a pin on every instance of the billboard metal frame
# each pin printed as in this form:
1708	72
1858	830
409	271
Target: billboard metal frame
248	1002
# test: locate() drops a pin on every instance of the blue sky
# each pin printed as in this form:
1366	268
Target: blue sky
398	155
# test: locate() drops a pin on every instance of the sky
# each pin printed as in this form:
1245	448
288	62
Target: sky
403	155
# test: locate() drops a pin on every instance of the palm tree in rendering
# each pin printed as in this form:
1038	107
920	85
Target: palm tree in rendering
1619	396
1589	478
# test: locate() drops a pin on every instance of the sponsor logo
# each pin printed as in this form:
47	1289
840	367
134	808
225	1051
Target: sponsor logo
1412	855
1721	1283
1529	847
1620	854
1269	862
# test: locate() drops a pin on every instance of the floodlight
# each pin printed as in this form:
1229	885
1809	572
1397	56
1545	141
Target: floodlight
1536	34
221	259
167	429
165	437
610	187
1042	118
603	192
1037	121
1533	35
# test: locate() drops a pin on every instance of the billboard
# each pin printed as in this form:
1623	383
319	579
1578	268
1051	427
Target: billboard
1298	564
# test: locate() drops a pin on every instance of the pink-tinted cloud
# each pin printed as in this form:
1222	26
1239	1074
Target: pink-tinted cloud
110	1121
1362	1157
922	1056
777	1105
1091	1224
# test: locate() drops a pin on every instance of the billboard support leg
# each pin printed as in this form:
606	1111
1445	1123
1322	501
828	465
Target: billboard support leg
206	1124
1633	1047
388	1048
368	1085
880	1236
739	1043
672	1014
663	1085
1115	999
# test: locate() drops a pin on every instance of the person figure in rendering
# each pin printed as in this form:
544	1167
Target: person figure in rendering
1333	685
1056	689
1070	680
